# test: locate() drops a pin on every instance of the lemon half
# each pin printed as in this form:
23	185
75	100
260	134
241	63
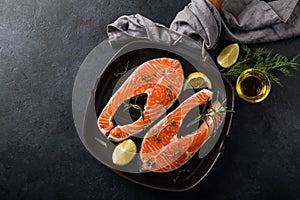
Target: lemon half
197	80
228	55
124	152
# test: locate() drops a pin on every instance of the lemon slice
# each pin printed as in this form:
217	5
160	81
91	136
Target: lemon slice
124	152
197	80
228	55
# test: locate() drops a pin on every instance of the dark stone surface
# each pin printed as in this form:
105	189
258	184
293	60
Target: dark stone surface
43	43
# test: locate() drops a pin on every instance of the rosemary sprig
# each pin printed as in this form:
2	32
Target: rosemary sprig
264	60
205	113
169	124
101	142
146	78
134	106
145	126
173	155
169	90
150	163
156	138
121	73
179	173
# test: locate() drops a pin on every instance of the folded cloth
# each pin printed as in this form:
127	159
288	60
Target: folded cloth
254	21
129	28
199	20
244	21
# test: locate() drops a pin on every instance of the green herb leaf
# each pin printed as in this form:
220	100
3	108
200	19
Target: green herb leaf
119	74
264	60
169	124
134	106
150	163
179	173
101	142
205	113
177	152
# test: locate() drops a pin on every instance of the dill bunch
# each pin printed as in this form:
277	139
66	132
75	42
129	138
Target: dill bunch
264	60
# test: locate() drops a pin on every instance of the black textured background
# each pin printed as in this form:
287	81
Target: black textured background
43	43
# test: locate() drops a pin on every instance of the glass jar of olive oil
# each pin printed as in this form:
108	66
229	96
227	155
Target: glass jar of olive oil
253	85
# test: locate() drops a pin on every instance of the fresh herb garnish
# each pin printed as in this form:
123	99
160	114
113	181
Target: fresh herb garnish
156	138
119	74
169	124
169	90
177	152
134	106
101	142
171	70
146	78
205	113
264	60
179	173
145	126
201	116
150	163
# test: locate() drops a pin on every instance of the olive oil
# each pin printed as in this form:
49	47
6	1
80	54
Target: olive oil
253	85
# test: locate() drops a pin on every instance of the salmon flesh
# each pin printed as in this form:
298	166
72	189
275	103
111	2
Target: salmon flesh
163	151
160	79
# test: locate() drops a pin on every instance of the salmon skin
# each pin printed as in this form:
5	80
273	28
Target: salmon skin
163	151
160	79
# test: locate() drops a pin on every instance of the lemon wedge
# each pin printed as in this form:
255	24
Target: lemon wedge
228	55
197	80
124	152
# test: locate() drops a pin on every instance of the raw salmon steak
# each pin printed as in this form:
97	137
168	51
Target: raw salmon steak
162	150
160	79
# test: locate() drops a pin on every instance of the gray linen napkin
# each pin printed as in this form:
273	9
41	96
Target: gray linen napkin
128	28
253	21
244	21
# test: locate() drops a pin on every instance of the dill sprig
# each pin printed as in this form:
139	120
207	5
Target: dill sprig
264	60
121	73
179	173
134	106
